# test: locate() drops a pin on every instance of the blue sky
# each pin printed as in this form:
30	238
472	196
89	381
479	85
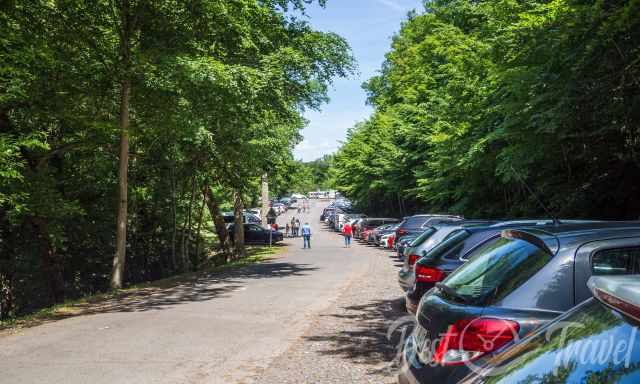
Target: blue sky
368	26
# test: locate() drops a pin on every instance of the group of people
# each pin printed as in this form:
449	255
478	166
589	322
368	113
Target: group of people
293	229
305	207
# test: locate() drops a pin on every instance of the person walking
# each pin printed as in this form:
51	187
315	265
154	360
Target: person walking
286	230
306	235
298	227
293	227
347	232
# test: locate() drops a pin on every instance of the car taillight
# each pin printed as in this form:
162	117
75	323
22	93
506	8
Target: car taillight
412	259
469	339
428	275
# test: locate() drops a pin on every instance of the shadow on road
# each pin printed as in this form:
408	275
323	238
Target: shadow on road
195	288
364	336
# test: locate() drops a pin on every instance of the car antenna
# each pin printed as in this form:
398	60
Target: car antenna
555	220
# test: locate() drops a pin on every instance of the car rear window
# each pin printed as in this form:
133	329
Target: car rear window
449	245
591	344
496	269
415	221
429	231
621	261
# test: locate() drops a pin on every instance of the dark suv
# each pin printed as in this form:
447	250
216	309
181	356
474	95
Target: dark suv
510	286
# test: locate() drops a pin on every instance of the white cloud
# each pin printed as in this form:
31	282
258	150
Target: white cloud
308	150
391	4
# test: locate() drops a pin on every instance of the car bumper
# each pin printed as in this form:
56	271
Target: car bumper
414	371
414	293
405	279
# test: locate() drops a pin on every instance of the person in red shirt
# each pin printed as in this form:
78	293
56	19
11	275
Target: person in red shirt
347	232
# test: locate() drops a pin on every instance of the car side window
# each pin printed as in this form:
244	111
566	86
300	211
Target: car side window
619	261
254	228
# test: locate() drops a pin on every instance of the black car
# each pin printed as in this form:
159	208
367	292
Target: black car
593	343
255	234
417	224
514	284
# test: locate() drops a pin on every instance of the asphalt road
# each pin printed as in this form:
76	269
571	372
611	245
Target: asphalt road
222	329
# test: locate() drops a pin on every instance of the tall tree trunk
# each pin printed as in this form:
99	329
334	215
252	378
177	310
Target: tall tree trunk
265	199
186	229
238	235
218	220
198	239
117	274
174	214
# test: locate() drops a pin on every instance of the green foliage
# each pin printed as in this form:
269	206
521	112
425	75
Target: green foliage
218	90
478	98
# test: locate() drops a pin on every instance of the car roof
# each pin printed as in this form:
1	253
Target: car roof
571	234
433	215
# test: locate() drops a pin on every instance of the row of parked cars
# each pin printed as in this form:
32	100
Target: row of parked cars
526	301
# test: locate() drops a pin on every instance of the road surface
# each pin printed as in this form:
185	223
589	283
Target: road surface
248	325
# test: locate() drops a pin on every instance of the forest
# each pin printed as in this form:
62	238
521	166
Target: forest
503	108
128	126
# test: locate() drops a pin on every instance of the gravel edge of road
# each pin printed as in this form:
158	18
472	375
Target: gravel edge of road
347	340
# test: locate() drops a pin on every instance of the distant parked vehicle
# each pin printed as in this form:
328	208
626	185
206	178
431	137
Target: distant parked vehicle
247	218
417	224
512	285
381	231
592	343
369	224
255	234
403	243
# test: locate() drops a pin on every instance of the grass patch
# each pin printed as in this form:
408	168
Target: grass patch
88	304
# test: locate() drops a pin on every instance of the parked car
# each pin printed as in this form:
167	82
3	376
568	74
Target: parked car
417	224
594	342
403	243
432	235
347	218
255	234
514	283
426	265
388	240
279	208
381	231
247	218
371	223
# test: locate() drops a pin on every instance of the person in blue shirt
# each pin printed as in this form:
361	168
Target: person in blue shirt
306	235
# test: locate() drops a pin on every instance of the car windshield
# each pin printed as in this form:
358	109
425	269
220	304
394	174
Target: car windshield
592	344
456	239
496	269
